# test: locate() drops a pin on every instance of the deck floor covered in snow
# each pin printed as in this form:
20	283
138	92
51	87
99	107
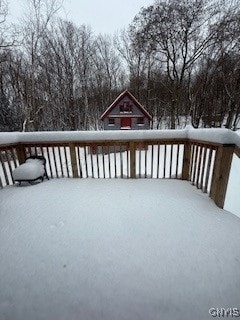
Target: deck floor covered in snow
115	249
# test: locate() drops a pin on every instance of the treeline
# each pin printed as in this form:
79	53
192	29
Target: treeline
181	59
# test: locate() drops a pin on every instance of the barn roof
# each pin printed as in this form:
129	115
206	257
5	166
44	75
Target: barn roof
120	97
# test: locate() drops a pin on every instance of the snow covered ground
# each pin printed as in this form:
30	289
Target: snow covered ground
232	201
115	249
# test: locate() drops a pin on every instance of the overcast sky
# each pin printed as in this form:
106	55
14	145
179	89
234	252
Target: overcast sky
104	16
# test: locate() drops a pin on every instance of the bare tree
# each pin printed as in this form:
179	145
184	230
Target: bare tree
180	32
38	18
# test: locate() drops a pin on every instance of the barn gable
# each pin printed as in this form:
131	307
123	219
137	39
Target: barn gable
126	113
126	103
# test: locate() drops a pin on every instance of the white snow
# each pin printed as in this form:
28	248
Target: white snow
9	137
217	135
115	249
81	136
212	135
30	170
232	201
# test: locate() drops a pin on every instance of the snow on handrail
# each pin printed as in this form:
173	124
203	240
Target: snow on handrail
213	135
82	136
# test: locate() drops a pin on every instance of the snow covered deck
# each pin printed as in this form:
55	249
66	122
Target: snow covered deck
201	156
115	249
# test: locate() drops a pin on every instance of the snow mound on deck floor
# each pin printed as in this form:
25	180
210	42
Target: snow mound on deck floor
115	249
30	170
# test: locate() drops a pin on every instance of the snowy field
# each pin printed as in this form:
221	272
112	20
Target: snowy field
115	249
232	201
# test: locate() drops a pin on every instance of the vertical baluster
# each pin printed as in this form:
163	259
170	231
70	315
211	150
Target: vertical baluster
171	160
146	149
132	160
97	158
66	161
199	166
139	161
121	161
193	156
103	161
60	160
209	161
4	168
109	163
86	160
164	164
186	161
91	156
25	153
21	153
55	161
42	153
195	165
177	161
49	162
158	160
152	155
9	165
13	151
79	162
192	160
203	167
73	157
29	151
115	162
128	162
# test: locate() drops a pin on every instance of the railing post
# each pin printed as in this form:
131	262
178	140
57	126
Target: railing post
221	170
186	161
132	160
73	160
21	153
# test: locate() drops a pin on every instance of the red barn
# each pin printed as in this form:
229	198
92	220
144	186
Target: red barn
126	113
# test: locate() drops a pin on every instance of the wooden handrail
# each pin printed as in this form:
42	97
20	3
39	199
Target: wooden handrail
205	164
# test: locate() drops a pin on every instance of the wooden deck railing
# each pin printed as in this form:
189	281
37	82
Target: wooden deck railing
206	165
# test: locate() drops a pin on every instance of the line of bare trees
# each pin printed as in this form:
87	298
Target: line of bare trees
180	58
